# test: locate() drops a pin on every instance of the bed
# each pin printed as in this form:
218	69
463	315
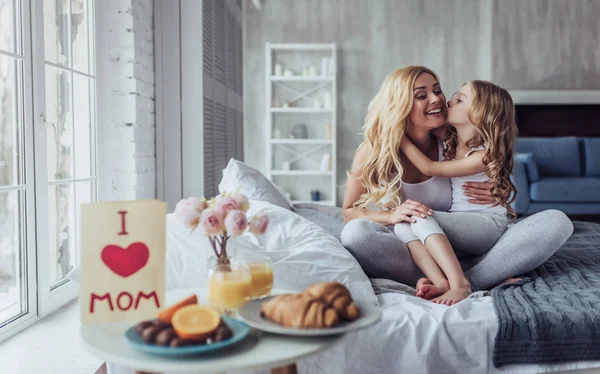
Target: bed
413	335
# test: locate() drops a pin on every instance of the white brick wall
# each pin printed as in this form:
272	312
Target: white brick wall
130	144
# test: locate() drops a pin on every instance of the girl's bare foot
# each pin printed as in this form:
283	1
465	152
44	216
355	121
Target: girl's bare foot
453	296
427	290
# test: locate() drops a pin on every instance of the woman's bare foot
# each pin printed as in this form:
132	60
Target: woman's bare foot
453	296
427	290
509	281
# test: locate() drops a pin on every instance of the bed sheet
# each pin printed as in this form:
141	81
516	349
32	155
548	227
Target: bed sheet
417	336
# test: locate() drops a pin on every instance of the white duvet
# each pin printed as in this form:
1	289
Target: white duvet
413	335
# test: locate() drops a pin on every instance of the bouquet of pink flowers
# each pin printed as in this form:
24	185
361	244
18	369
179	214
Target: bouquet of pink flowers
221	218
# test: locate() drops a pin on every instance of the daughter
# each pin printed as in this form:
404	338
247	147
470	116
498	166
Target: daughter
480	147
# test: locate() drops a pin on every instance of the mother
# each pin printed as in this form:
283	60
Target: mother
411	103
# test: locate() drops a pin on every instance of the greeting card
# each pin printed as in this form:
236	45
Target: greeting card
122	269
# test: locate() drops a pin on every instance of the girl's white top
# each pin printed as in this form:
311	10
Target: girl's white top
460	202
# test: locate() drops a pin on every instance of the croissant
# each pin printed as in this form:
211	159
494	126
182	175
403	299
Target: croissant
337	296
299	311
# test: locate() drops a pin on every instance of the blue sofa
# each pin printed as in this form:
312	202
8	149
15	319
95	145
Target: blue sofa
557	173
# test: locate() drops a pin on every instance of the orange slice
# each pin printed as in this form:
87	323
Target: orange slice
166	314
195	322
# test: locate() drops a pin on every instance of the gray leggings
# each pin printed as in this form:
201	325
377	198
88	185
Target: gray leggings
470	233
523	247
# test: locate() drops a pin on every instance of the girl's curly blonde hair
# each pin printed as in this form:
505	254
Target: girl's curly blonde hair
385	124
493	113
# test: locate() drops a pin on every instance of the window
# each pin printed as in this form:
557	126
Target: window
47	151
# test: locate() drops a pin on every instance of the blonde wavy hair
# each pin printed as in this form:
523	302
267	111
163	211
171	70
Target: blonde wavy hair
493	113
385	124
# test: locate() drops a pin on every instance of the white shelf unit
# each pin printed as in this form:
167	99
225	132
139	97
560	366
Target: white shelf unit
303	88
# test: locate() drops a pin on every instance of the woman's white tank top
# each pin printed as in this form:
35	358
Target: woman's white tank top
435	192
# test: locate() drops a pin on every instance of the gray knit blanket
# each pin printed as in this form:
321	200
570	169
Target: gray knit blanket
554	314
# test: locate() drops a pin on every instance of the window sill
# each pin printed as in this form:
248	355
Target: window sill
52	345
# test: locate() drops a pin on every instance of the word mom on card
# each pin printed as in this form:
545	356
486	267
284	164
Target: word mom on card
122	260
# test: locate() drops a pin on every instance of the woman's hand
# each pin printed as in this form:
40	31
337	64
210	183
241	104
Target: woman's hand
479	193
406	211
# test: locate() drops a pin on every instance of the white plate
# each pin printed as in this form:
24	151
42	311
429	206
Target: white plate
250	314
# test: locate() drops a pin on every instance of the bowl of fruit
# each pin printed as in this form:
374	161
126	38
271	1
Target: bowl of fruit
186	328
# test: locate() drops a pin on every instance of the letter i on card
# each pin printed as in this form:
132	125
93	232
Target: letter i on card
122	259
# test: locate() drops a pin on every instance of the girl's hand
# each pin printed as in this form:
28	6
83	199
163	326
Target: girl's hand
479	193
406	211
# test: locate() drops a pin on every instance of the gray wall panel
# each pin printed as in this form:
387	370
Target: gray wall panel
546	44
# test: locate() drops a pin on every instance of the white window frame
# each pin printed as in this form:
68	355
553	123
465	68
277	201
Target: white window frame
29	269
41	299
50	299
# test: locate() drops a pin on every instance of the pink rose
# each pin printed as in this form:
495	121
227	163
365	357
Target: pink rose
211	220
236	222
242	201
188	211
199	204
226	203
258	225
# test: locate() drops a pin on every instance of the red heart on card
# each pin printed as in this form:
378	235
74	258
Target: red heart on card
125	261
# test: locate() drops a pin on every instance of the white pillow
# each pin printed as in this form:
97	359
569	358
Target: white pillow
304	253
239	177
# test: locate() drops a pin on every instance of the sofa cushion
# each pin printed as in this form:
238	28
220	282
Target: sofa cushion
555	157
591	148
533	175
578	190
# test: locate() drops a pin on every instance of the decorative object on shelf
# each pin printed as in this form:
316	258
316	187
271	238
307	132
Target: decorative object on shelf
327	100
299	131
288	73
277	134
278	70
317	103
329	131
324	66
312	71
285	104
325	162
285	165
315	195
305	71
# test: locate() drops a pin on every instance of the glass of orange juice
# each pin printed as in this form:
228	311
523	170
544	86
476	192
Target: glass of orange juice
229	287
261	271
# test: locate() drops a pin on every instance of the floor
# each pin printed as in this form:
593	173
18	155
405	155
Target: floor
52	345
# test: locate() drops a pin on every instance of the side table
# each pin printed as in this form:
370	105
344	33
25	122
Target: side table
261	350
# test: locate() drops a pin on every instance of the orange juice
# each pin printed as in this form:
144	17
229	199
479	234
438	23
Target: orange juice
229	289
262	280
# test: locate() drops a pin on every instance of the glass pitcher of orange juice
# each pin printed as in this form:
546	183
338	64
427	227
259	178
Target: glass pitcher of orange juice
229	287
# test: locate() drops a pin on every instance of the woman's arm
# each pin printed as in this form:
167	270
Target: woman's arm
467	166
355	189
